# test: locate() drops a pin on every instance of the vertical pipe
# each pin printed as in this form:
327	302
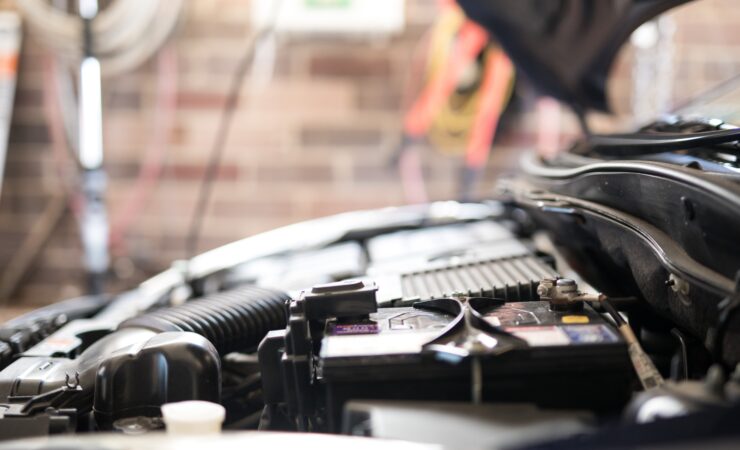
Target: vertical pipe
94	219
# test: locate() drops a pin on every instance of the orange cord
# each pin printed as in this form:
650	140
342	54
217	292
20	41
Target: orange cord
494	92
470	42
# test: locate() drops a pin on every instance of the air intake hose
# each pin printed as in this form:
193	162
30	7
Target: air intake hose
231	320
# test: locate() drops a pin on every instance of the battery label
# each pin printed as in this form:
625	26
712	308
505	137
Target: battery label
543	336
590	334
343	329
540	336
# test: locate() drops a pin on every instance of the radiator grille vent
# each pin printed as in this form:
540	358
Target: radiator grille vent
511	279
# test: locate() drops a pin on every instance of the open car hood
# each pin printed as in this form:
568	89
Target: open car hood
565	47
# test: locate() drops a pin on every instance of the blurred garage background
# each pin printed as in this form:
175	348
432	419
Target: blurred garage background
316	135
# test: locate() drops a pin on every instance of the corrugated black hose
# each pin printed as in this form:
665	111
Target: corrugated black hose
232	320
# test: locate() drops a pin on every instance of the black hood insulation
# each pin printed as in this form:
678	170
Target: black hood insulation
565	48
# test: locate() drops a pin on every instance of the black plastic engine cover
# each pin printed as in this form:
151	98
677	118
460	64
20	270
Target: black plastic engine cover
169	367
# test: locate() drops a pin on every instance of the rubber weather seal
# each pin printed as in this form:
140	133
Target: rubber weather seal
669	253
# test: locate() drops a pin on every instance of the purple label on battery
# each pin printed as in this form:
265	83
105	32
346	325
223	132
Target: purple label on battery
340	329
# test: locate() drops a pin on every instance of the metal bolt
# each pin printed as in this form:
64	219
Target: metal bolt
566	286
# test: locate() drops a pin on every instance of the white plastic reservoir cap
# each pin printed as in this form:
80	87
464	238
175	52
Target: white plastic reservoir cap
193	417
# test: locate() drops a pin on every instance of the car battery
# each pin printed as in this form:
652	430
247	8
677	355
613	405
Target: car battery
562	359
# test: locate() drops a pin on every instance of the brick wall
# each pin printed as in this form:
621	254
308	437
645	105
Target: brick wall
316	141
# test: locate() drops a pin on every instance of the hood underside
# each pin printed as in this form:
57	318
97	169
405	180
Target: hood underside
565	47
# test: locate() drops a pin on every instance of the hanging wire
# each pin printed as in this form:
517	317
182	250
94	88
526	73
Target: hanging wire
219	143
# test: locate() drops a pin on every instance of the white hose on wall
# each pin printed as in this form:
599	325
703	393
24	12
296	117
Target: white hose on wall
125	34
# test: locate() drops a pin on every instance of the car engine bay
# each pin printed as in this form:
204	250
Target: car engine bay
562	302
591	301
